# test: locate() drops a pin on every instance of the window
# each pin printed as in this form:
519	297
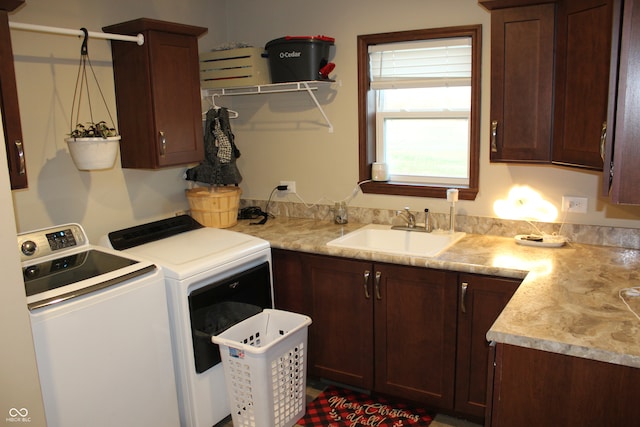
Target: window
419	110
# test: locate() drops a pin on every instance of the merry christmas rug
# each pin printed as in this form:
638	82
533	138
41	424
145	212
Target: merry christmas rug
338	407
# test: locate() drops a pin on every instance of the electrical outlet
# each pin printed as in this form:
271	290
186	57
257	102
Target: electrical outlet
574	204
291	187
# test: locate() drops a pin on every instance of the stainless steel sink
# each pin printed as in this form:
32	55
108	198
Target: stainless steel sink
381	238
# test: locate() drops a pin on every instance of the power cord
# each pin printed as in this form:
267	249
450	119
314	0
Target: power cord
541	233
267	215
346	200
630	293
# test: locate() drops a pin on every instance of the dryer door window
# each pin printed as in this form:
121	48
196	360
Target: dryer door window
216	307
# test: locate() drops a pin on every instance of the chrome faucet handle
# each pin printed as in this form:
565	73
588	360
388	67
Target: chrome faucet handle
407	216
411	218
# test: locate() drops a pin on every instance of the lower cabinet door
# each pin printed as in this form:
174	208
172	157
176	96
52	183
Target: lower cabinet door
481	300
341	336
415	333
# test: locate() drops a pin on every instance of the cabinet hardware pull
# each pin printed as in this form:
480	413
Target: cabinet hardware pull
20	157
378	274
463	294
603	140
494	136
163	144
367	273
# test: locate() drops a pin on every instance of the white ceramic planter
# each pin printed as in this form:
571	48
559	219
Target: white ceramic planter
93	153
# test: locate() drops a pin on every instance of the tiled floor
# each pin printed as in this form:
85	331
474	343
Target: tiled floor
315	388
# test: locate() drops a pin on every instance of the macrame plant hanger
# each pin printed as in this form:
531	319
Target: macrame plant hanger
82	83
94	147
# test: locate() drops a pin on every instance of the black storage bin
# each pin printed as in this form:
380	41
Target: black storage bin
293	59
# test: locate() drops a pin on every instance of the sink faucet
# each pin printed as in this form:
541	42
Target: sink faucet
407	216
410	218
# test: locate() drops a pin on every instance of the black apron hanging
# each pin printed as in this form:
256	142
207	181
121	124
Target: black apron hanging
220	152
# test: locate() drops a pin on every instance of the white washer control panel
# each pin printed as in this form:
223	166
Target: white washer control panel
46	241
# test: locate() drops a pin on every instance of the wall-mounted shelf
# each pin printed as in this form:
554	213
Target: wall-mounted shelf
304	86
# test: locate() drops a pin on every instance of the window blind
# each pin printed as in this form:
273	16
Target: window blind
440	62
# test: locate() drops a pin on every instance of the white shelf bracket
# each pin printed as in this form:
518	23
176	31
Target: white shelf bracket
315	100
266	89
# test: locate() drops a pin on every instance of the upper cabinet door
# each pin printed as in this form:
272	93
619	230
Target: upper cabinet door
158	94
550	81
522	83
583	58
9	103
626	156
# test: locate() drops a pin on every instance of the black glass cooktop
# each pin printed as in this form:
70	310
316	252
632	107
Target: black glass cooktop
70	269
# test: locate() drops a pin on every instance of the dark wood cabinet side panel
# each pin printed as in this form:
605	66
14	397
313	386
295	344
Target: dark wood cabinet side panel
625	189
290	291
540	388
10	108
136	121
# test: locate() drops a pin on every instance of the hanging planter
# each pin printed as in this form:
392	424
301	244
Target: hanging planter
94	146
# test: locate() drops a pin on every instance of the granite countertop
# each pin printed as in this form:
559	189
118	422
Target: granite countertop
569	301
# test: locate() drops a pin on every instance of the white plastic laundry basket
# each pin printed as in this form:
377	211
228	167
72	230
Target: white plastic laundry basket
264	361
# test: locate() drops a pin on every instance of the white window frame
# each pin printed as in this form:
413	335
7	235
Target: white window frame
418	64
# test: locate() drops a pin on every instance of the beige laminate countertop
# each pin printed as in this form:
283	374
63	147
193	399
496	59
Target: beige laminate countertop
568	302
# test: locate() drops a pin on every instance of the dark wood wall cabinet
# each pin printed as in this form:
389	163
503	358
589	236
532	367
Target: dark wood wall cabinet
550	72
158	94
409	332
14	144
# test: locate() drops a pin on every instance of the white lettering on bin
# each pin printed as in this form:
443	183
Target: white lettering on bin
292	54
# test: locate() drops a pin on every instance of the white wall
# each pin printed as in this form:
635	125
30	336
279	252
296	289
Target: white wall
281	136
46	67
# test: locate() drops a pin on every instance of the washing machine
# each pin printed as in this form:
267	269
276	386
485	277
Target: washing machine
101	332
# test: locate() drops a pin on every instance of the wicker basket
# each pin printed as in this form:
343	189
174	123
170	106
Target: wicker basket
216	207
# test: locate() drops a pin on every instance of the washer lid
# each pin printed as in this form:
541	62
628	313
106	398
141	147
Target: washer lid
77	272
192	252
